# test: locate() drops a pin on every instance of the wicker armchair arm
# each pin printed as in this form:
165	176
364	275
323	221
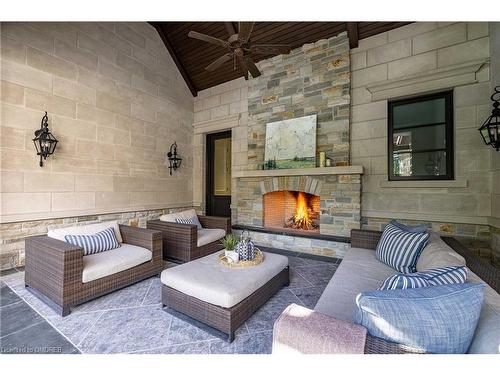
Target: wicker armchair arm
215	222
366	239
183	236
301	330
139	236
54	267
52	244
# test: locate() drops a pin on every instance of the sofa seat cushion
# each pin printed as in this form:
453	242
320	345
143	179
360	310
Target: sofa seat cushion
96	266
358	272
178	217
486	339
89	229
206	236
206	279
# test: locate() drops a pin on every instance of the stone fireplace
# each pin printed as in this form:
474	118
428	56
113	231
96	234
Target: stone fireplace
266	201
291	210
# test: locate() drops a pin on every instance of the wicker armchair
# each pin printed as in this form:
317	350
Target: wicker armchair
54	269
180	241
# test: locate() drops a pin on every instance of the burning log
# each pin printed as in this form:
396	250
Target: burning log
301	219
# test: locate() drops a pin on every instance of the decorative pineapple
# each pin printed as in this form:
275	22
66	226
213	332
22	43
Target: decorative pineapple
246	247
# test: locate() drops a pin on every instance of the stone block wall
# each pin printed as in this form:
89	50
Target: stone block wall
313	79
116	102
419	50
468	207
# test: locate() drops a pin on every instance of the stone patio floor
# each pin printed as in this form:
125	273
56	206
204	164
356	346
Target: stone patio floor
132	320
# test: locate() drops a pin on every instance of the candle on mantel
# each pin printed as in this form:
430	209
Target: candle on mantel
322	159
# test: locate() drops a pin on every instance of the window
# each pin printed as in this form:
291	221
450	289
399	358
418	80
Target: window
421	138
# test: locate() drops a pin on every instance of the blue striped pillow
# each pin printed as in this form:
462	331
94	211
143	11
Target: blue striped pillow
185	221
400	249
433	277
94	243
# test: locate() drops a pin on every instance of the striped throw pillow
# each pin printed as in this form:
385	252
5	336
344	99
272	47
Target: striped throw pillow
400	249
94	243
433	277
185	221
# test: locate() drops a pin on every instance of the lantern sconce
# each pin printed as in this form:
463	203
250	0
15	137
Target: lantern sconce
174	160
45	142
490	130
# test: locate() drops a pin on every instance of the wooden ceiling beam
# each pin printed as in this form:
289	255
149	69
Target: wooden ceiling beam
171	50
352	34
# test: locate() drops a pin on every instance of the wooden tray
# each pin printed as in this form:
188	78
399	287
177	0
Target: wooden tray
259	258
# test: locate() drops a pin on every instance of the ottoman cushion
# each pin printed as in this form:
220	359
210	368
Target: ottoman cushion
206	279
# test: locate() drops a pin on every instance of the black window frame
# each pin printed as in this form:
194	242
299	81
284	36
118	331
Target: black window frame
449	136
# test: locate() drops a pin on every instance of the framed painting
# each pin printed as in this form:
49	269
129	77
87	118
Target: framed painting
291	143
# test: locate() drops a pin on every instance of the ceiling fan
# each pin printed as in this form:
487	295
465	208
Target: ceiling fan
240	48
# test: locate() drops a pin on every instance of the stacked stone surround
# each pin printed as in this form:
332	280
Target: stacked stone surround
313	79
116	102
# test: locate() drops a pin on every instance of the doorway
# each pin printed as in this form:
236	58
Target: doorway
218	193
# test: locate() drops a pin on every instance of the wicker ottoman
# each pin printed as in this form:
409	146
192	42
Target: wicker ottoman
221	297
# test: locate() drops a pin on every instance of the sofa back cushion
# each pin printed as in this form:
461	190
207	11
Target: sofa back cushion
182	215
60	233
436	319
94	243
436	276
400	249
438	254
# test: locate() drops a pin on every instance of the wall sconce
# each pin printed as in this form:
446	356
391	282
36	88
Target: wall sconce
173	159
45	142
490	130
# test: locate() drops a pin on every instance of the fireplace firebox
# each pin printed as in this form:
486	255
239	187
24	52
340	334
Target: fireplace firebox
292	210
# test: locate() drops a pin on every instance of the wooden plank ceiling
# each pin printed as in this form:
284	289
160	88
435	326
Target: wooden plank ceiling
192	56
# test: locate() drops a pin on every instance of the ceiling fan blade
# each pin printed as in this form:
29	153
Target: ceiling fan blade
254	71
230	28
221	60
208	38
270	48
243	65
244	30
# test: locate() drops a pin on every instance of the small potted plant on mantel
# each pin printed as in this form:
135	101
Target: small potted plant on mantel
229	242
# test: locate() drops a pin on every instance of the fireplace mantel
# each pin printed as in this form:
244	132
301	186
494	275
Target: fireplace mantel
353	169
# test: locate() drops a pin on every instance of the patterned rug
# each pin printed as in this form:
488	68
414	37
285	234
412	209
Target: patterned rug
132	320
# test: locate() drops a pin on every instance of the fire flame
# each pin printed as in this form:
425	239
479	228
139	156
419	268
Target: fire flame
301	217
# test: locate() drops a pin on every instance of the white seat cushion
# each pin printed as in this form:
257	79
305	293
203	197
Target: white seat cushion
206	236
59	233
110	262
359	271
209	281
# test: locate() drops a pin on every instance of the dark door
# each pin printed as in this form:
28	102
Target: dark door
218	193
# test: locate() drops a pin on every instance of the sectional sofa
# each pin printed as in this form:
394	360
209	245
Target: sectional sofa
329	328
